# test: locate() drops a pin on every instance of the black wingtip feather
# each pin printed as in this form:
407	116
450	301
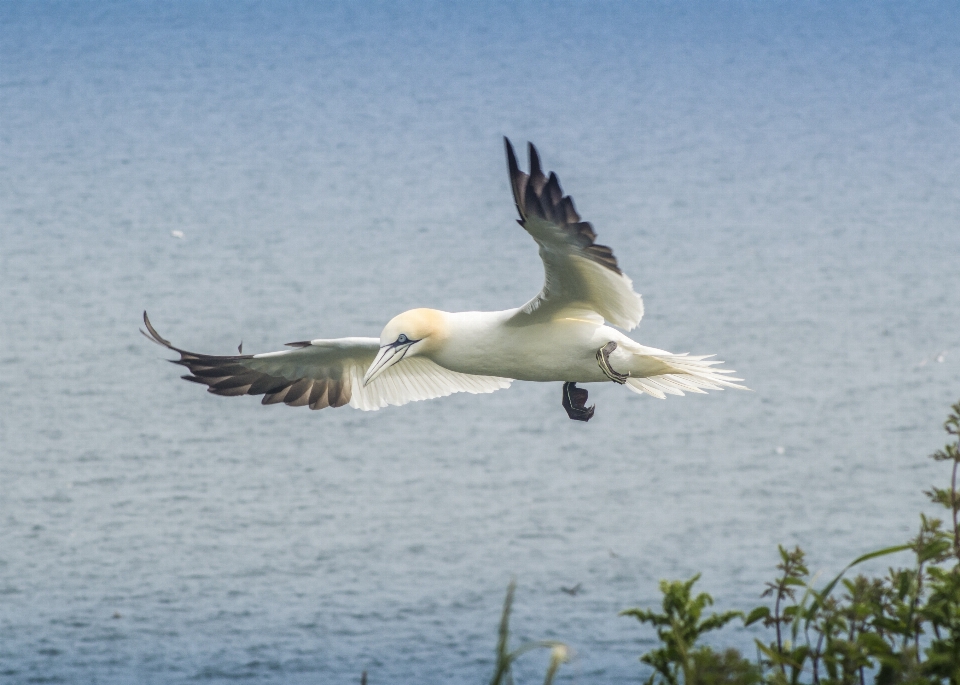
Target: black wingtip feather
518	179
154	336
511	157
537	179
228	376
534	159
536	195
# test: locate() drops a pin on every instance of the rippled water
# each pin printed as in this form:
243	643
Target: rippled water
779	180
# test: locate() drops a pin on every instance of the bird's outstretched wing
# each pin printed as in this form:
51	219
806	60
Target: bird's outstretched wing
581	277
324	373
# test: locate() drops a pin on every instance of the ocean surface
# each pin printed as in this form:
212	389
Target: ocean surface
781	181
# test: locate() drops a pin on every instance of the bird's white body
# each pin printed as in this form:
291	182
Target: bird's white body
561	335
484	344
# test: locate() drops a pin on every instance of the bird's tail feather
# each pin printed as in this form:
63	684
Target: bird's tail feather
690	374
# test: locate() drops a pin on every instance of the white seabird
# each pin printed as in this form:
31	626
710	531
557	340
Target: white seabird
558	336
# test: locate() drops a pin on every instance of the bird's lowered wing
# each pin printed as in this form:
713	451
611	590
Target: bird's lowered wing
581	277
324	373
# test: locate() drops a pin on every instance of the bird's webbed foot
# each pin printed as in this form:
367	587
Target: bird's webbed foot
603	359
575	401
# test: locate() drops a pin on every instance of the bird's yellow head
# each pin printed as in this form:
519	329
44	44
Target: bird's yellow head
412	333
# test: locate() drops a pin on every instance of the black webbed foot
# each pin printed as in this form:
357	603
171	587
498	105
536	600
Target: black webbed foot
574	401
603	359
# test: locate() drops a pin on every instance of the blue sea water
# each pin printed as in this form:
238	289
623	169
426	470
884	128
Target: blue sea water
779	179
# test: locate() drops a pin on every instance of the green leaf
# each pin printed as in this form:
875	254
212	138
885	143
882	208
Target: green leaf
825	592
878	553
776	657
874	643
756	615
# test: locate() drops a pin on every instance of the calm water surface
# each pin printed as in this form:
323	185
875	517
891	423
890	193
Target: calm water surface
780	181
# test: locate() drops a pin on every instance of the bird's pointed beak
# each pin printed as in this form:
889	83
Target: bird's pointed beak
388	356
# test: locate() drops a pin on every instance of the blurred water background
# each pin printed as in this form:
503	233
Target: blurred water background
779	179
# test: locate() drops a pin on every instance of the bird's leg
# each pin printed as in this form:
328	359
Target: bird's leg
603	359
574	401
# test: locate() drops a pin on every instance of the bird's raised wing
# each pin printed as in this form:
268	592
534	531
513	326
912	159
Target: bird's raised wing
581	277
325	373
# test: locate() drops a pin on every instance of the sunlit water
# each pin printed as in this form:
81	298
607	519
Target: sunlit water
780	181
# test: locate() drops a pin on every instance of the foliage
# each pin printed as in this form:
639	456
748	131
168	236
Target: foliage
679	627
502	672
903	627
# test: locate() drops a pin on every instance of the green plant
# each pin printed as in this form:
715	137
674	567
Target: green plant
679	627
903	627
559	652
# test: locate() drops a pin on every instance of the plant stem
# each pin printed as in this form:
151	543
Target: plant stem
776	616
953	509
816	660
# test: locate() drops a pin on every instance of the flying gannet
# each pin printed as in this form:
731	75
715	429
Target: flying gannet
558	336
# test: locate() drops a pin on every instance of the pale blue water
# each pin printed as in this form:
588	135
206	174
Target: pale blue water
780	180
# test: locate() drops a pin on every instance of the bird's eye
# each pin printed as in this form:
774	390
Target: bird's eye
402	339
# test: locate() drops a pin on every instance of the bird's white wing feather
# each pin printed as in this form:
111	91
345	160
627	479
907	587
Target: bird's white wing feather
581	277
416	378
325	373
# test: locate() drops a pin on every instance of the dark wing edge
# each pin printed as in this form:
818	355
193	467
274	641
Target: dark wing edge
235	375
537	196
